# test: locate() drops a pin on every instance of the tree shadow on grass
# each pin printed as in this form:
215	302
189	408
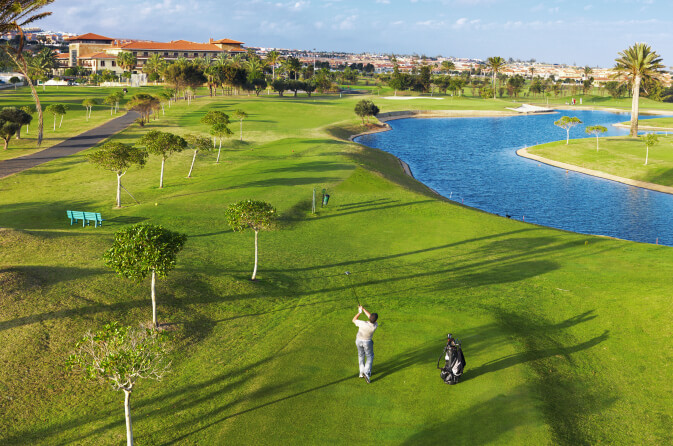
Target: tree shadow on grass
289	181
312	166
125	220
170	402
535	355
220	413
482	423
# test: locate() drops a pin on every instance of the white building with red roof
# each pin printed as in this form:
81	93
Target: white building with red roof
100	53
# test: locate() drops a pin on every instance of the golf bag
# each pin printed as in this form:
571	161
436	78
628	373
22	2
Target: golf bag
454	362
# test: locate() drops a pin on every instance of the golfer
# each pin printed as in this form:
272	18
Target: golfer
364	342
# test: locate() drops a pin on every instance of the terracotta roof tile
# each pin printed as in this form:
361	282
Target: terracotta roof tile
227	41
90	36
176	45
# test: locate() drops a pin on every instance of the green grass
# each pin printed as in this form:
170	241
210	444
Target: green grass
622	156
74	121
664	123
566	336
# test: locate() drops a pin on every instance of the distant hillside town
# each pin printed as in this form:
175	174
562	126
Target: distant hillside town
75	54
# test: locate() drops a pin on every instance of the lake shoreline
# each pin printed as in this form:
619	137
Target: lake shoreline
595	173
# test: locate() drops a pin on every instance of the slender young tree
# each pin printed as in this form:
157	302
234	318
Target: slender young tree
250	214
57	110
198	144
240	115
30	110
111	100
596	130
14	15
220	130
119	356
142	250
163	144
650	139
566	123
118	158
89	103
634	64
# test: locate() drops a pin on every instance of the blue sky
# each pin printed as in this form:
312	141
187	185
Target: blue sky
588	32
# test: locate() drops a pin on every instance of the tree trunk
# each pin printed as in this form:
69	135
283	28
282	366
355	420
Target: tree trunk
154	300
18	133
567	136
189	175
494	85
647	153
218	153
54	122
119	189
6	143
254	272
27	126
33	91
161	178
127	414
634	107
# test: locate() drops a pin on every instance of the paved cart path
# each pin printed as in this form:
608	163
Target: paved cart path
70	146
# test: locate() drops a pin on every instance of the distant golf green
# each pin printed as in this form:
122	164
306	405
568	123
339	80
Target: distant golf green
622	156
566	336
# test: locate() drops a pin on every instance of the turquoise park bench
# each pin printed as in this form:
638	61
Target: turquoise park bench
86	217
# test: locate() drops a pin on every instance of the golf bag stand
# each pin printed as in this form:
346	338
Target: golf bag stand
454	361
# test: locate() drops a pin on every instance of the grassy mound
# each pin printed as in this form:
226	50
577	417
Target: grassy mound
566	336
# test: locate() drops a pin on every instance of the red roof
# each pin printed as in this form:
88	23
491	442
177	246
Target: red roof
176	45
63	56
90	36
99	56
228	41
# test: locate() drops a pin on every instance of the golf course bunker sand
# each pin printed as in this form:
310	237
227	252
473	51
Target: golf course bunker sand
406	98
389	116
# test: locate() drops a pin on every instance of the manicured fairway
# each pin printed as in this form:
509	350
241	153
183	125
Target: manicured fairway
566	337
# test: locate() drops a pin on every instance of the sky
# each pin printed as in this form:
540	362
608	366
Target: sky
588	32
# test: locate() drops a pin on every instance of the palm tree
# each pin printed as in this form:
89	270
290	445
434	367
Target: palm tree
126	60
495	64
155	64
236	61
634	64
254	66
15	14
587	71
448	66
272	59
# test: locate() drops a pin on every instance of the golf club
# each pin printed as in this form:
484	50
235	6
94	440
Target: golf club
352	288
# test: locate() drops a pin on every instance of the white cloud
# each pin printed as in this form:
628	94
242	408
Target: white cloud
345	23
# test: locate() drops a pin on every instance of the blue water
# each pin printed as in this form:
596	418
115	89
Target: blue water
473	160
